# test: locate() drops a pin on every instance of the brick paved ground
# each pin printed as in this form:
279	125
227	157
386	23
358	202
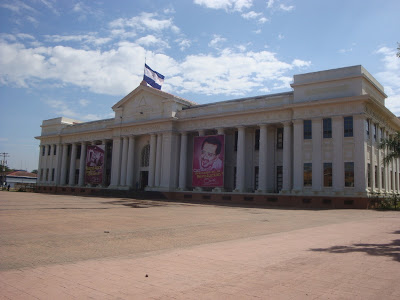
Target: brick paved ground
66	247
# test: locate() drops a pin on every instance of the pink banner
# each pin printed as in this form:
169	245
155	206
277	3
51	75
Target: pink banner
94	164
208	161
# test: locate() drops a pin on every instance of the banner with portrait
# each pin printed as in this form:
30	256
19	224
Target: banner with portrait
94	164
208	161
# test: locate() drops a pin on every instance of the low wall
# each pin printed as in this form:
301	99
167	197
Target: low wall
271	200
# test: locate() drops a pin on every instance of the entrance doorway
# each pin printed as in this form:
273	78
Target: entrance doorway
144	179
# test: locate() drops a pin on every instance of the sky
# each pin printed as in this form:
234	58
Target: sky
77	59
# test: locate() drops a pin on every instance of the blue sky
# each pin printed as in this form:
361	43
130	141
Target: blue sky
78	58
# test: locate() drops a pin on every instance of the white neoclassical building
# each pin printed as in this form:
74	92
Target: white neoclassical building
320	139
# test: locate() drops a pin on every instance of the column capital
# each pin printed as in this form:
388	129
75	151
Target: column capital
297	121
264	125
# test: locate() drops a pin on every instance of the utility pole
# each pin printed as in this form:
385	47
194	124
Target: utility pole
3	167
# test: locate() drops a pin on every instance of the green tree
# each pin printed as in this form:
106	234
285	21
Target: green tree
34	171
392	144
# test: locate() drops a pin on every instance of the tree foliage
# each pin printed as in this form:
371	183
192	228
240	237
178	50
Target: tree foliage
392	144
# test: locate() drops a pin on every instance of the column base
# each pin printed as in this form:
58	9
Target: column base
197	189
218	190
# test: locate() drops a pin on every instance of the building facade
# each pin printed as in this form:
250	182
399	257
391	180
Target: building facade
321	138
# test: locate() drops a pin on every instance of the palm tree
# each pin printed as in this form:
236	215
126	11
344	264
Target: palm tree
392	144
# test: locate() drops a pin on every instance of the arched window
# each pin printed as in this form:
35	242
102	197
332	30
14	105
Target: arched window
145	158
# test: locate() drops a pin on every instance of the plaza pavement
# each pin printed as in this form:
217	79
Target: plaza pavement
68	247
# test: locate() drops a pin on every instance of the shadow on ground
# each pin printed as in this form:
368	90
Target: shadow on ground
390	250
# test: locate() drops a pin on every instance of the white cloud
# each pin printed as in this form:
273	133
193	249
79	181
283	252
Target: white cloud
84	102
216	41
234	5
389	77
183	43
270	3
90	38
251	15
286	8
151	40
119	70
281	36
18	7
145	21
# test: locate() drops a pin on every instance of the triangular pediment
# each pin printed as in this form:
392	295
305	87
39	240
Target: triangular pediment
147	103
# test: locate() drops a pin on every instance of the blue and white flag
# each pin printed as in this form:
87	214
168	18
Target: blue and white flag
153	78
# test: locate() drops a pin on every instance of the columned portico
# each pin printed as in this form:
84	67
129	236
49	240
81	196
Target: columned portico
321	151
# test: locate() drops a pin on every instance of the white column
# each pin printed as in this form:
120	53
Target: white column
372	158
103	180
338	162
360	162
58	164
287	157
72	165
158	159
63	176
317	155
379	161
82	165
298	167
183	161
262	159
152	163
39	180
240	160
116	162
124	161
130	167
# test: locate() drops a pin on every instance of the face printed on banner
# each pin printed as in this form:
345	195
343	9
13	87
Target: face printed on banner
208	155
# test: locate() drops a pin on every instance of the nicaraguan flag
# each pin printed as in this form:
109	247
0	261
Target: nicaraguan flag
153	78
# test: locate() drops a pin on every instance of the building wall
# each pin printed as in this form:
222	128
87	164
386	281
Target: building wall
168	124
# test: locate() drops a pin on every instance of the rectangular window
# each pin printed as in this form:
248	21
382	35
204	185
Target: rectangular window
43	150
257	140
54	149
375	131
367	128
307	130
348	126
255	178
69	149
376	176
383	177
279	138
369	175
234	177
327	174
47	174
53	171
279	178
349	174
41	174
382	133
307	174
49	150
327	124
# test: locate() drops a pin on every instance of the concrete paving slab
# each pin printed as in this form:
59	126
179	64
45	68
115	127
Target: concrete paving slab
54	247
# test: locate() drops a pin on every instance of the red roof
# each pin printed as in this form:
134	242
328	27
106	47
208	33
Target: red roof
21	174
